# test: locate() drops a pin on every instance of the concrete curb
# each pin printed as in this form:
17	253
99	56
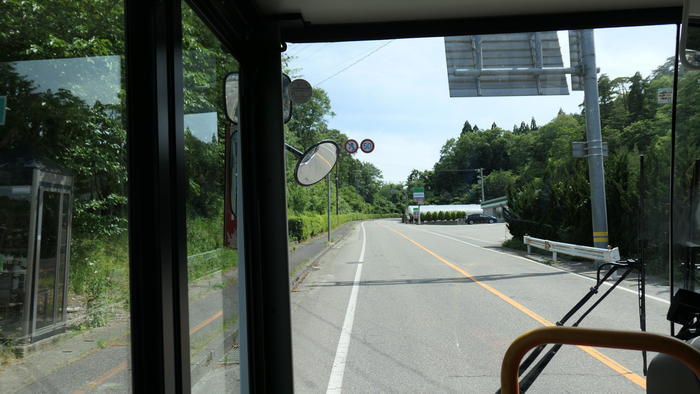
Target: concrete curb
206	358
300	275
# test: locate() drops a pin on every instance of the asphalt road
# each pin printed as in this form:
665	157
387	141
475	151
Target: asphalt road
390	308
432	308
98	360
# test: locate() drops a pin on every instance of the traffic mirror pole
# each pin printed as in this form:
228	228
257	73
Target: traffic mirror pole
328	177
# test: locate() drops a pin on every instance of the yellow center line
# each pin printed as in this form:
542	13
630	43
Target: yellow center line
95	383
206	322
605	360
121	367
328	163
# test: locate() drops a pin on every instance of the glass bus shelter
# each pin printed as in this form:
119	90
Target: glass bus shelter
35	232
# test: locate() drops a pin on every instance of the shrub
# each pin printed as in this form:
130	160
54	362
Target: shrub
99	273
301	227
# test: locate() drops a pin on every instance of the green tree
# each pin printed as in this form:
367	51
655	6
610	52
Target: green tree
467	128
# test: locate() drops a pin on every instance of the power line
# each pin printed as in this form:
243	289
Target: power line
315	51
357	61
298	52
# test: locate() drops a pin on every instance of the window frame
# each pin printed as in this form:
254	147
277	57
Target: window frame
156	168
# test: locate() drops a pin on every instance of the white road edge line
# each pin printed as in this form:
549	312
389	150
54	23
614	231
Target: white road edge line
651	297
335	383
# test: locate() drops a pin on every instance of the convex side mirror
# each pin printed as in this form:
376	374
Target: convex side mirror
318	160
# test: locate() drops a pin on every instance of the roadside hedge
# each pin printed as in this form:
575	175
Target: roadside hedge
441	216
305	227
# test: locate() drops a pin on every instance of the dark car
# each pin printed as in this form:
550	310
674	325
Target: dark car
480	218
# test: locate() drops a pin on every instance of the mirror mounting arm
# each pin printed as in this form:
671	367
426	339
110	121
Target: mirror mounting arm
299	154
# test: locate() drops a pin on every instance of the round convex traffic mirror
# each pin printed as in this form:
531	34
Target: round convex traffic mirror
316	163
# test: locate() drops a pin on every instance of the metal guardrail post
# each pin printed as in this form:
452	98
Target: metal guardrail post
591	337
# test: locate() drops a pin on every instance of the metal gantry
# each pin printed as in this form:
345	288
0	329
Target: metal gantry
525	64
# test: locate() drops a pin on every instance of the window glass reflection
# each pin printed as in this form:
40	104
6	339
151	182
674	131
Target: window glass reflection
212	263
64	321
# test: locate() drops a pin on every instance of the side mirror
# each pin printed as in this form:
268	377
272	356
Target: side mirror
231	96
286	101
690	35
316	162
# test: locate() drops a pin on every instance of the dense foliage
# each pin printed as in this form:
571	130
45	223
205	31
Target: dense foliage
361	189
307	226
548	189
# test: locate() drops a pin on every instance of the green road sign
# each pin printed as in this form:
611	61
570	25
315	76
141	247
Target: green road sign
3	102
419	189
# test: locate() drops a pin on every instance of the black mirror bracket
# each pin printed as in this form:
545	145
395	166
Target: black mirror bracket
299	154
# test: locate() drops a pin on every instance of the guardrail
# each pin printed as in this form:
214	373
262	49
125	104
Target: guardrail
588	252
205	263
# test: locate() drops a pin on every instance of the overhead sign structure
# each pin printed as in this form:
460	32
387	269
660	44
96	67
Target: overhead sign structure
576	58
664	96
367	145
3	109
521	64
351	146
526	64
300	91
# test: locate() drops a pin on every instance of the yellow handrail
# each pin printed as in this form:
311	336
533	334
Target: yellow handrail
591	337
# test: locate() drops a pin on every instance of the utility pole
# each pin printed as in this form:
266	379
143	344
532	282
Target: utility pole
596	171
481	178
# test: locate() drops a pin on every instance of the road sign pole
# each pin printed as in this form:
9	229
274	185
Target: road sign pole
328	177
418	213
596	171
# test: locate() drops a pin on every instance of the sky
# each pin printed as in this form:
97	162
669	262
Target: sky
395	92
